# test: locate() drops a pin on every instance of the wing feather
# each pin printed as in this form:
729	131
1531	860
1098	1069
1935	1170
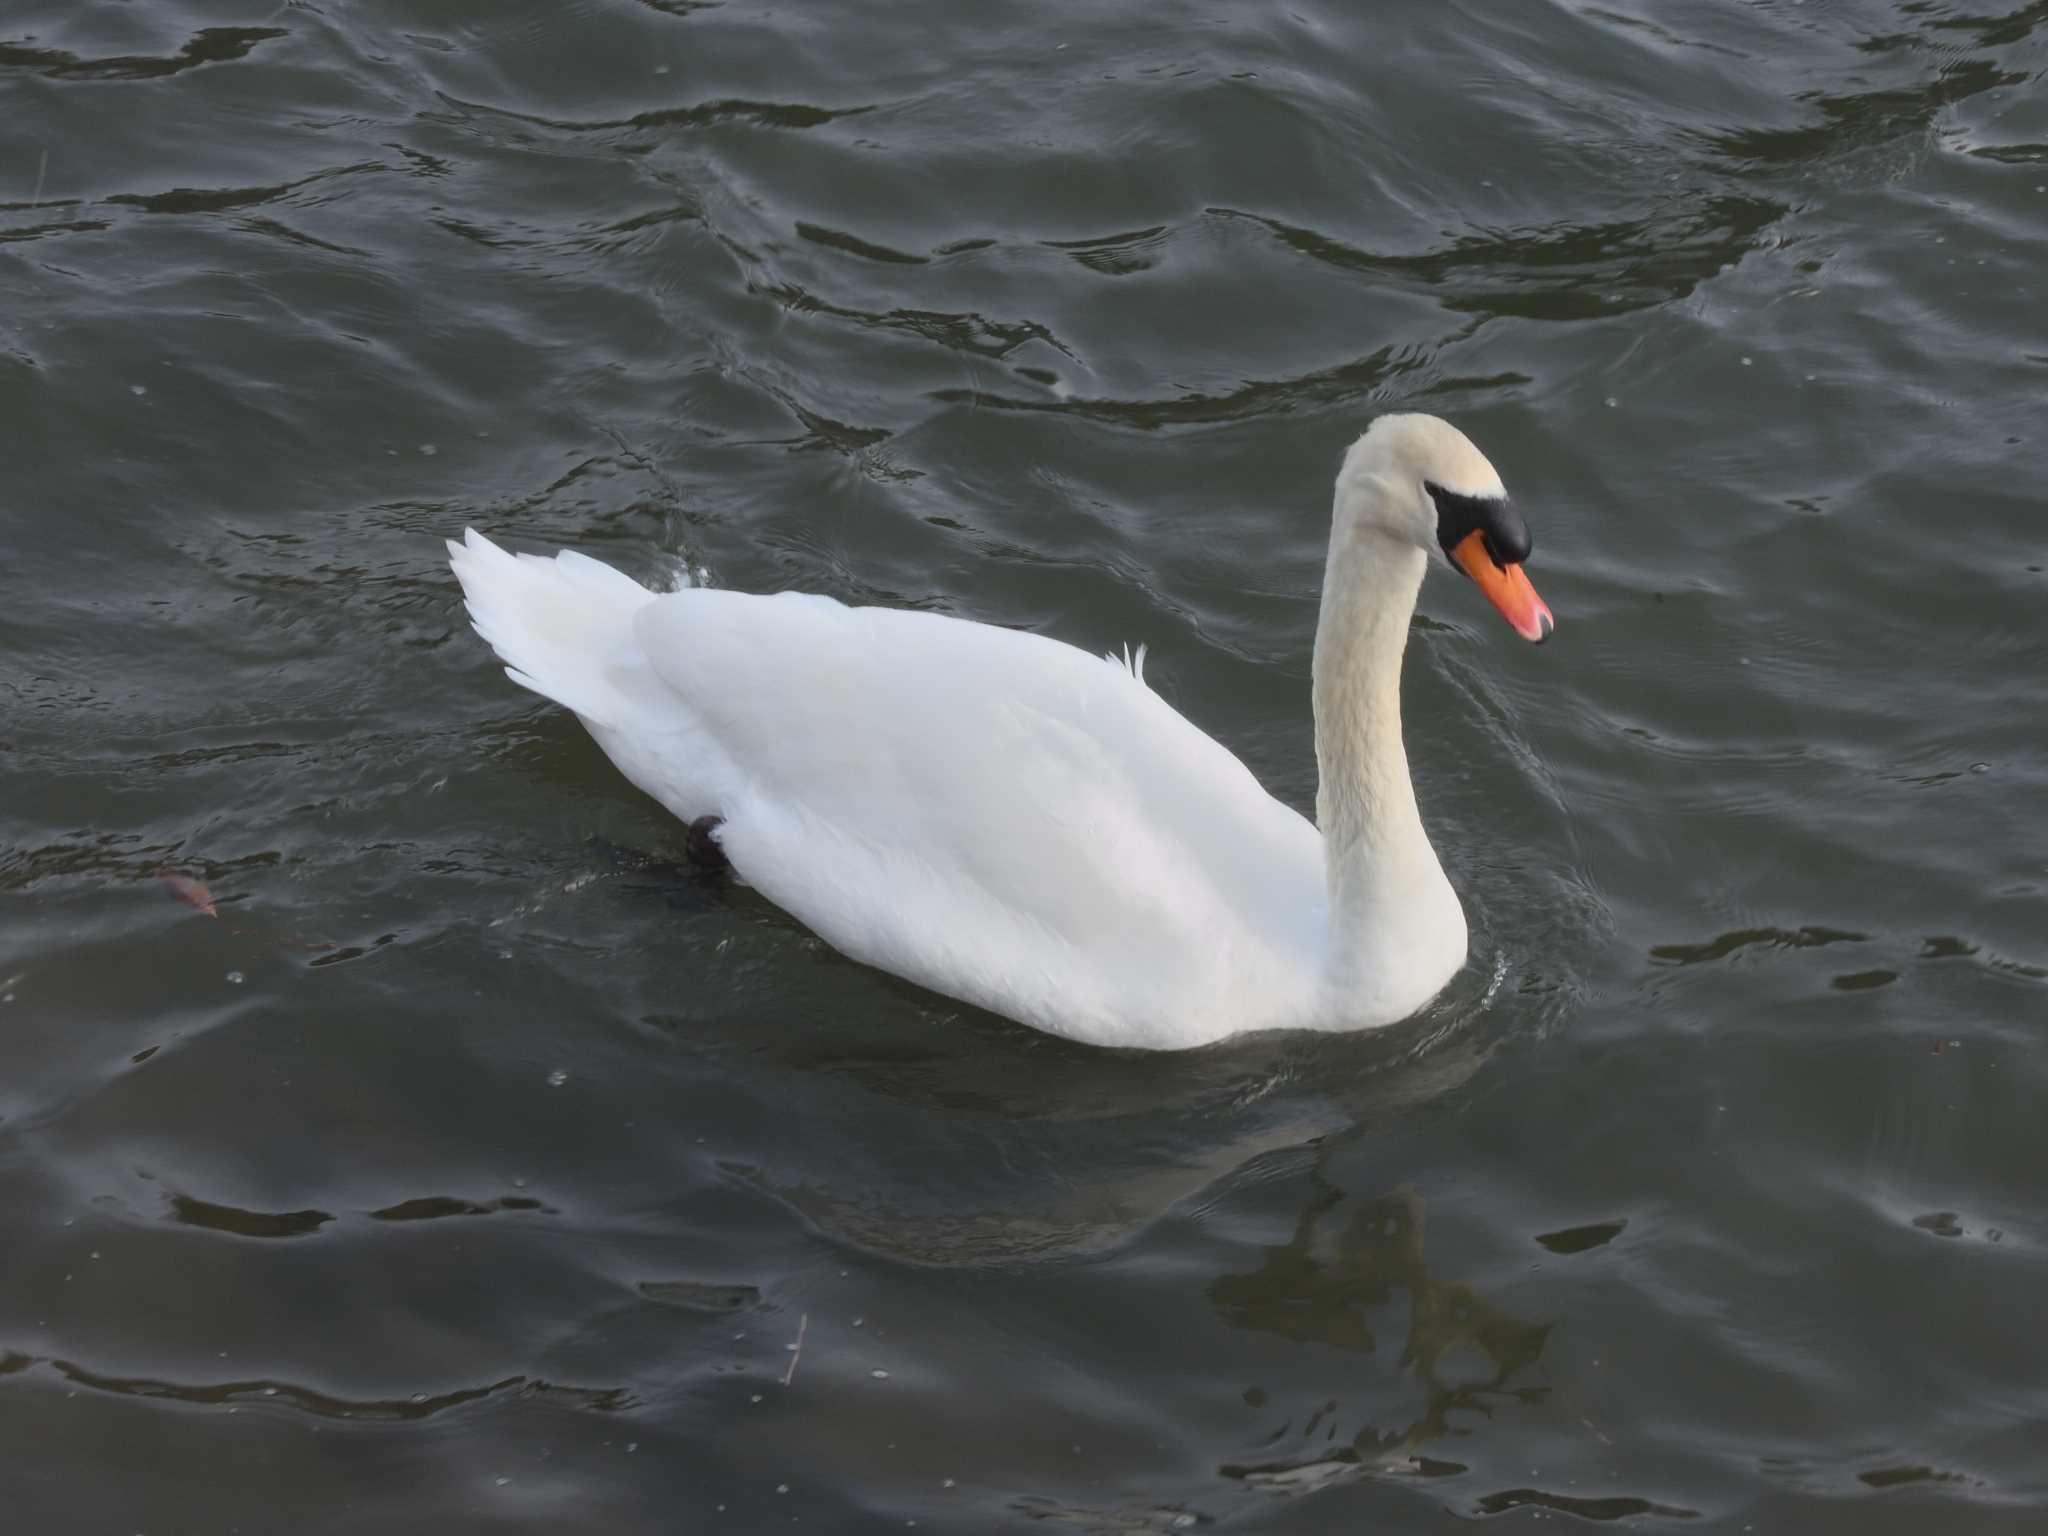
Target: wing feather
994	814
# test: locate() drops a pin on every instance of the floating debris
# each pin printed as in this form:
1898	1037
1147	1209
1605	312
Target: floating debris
191	891
796	1350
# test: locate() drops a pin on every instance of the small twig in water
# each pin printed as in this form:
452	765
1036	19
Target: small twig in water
42	168
796	1350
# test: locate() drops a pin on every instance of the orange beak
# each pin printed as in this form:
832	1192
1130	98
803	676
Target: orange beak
1506	587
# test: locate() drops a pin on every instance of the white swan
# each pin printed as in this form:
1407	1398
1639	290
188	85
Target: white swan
1023	825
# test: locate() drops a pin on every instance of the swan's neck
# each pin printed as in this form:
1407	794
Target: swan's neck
1392	914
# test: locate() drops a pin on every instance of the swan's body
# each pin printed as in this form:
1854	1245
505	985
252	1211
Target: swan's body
1012	821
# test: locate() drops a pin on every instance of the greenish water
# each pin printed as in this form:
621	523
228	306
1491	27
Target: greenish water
474	1167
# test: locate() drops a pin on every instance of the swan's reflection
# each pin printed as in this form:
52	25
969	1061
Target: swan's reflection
1339	1280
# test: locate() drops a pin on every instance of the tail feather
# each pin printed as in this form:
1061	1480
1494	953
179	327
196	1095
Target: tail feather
562	626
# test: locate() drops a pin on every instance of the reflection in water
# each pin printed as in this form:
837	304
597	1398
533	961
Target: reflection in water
1321	1286
1464	1354
1865	119
211	45
286	1394
1810	936
1561	272
1133	1135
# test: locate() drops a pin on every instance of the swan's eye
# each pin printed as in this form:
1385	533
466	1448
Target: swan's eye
1458	517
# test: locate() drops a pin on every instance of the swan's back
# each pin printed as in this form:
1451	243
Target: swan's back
999	816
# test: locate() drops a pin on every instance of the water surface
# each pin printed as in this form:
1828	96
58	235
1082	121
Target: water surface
473	1167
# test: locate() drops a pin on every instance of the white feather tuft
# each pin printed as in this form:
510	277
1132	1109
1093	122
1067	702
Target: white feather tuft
557	624
1129	661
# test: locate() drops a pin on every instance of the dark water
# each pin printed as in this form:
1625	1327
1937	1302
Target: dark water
474	1168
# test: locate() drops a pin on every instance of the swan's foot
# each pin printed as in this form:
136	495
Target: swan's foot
703	847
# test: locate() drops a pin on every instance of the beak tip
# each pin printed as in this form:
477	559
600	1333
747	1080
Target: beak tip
1506	587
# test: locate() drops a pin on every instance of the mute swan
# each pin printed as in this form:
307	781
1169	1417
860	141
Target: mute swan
1027	827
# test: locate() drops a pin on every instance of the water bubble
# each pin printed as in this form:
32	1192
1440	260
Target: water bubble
782	1487
234	978
557	1077
1980	767
879	1375
947	1482
1746	362
138	389
1612	402
428	450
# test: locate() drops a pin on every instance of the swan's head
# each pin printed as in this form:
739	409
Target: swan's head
1420	480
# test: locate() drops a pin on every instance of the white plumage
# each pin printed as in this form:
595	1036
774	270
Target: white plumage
995	815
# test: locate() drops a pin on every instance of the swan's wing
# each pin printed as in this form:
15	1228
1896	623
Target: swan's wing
996	815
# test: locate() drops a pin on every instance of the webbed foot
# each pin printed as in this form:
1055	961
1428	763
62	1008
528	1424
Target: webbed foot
702	845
